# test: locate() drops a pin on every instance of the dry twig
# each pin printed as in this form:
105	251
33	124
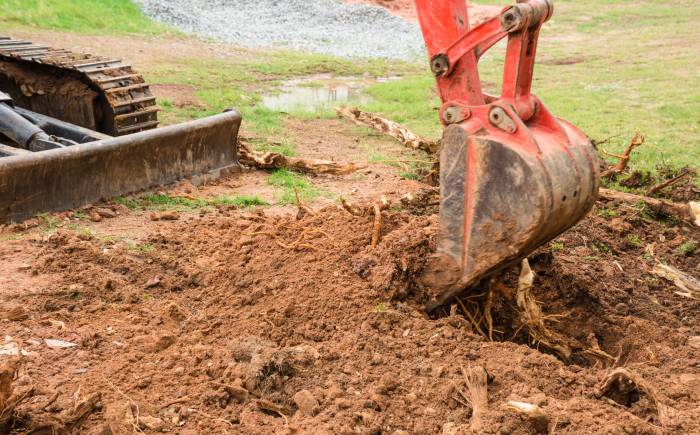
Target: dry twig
652	190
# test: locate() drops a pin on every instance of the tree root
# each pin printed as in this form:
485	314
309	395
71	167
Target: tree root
403	135
376	209
622	384
689	286
624	158
532	318
270	160
688	212
476	383
536	415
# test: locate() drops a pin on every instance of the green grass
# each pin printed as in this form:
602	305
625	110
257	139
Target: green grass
634	241
688	248
289	184
83	16
167	202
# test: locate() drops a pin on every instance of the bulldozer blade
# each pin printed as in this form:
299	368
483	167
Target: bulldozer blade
500	201
69	177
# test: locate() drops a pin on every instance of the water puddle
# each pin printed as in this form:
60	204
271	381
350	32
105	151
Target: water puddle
320	92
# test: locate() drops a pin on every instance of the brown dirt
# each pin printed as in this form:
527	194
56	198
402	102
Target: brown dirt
225	317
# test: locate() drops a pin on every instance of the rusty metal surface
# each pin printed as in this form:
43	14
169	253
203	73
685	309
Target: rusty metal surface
73	176
99	93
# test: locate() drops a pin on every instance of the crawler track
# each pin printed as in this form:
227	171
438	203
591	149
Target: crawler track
99	93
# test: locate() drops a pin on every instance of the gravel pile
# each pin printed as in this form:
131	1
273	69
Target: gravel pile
320	26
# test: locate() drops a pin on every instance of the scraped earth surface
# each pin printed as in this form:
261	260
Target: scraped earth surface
254	321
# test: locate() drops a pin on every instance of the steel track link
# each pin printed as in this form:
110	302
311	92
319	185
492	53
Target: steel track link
120	103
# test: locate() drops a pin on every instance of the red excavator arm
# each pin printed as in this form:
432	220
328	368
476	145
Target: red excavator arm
513	176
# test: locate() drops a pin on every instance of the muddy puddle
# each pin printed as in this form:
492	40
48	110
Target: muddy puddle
324	91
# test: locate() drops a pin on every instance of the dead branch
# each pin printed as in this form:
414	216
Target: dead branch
531	315
652	190
403	135
689	286
269	160
476	381
624	158
621	383
687	212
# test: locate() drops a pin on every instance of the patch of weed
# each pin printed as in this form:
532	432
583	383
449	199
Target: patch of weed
688	248
634	241
289	182
556	246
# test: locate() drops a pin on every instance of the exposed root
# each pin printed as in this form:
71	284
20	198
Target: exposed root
476	382
391	128
652	190
689	286
270	160
376	209
532	318
302	209
687	212
624	386
624	158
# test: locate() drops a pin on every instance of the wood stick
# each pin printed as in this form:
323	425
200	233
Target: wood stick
403	135
652	190
686	212
270	160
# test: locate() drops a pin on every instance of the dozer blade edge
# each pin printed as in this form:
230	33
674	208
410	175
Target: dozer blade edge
65	178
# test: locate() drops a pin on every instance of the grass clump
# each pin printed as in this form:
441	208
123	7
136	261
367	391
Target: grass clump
167	202
634	241
688	248
290	184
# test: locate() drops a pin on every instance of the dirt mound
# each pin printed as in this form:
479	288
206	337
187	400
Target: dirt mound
242	322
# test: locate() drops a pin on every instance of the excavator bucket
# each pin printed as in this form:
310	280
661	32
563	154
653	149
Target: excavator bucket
75	129
512	176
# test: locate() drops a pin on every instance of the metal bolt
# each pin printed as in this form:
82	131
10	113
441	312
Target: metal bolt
453	115
439	65
500	119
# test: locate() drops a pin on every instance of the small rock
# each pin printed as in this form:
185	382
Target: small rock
694	341
14	314
93	216
151	423
306	402
238	393
334	392
169	216
58	344
106	213
24	267
153	282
